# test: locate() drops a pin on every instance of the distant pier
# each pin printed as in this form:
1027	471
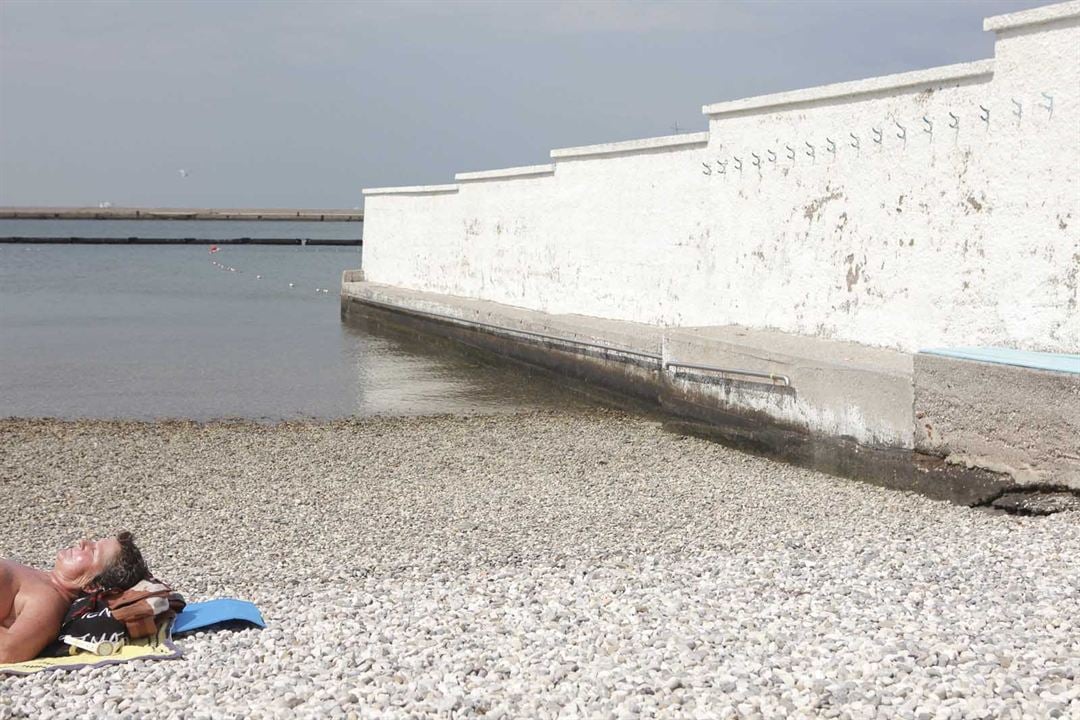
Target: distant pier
130	213
217	214
37	240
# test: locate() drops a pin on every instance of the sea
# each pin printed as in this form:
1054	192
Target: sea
174	331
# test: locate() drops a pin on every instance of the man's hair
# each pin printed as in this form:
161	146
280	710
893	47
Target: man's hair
127	569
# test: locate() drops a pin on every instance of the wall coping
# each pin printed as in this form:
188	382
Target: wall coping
411	190
1035	16
522	171
912	79
631	146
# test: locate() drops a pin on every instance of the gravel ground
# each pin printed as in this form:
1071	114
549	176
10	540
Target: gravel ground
543	565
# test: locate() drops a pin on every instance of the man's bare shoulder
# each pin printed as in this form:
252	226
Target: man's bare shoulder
18	574
21	584
10	574
30	611
13	578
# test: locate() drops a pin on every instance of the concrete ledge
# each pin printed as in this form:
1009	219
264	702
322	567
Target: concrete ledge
835	389
411	190
506	173
1035	16
632	146
915	80
615	335
868	389
616	356
1003	418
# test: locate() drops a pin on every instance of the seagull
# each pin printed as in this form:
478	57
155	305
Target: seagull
292	284
183	173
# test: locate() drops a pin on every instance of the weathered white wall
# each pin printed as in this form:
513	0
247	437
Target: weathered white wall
962	236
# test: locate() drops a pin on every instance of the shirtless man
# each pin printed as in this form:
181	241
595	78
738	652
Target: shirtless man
33	603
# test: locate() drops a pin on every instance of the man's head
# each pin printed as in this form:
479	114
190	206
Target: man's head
113	563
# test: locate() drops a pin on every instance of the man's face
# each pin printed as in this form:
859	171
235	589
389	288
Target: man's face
86	559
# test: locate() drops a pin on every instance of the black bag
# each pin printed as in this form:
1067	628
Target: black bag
85	621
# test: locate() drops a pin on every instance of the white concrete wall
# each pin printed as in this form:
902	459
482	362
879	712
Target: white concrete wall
963	236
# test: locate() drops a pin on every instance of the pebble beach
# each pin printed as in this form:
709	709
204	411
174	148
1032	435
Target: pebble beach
584	564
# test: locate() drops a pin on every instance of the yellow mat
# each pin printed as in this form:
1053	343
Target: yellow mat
155	647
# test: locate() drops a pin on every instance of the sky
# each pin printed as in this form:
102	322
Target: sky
303	104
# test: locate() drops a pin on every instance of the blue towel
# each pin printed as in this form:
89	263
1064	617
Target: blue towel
214	612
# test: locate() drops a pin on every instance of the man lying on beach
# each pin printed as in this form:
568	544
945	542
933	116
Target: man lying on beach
33	603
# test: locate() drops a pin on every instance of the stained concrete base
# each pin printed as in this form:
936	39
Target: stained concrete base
1021	422
837	389
840	407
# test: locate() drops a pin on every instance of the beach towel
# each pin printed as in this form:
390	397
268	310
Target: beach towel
158	646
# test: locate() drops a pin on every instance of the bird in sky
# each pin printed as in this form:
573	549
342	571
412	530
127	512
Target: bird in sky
183	173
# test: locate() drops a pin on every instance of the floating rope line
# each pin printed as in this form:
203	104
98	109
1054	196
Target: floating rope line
223	267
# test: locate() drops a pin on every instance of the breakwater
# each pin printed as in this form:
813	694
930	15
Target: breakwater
83	240
134	213
179	232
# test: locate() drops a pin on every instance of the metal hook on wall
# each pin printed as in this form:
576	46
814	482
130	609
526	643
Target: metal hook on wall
721	166
706	169
772	156
832	146
929	129
790	153
877	135
1049	106
903	131
854	140
955	123
757	160
738	164
1019	111
810	151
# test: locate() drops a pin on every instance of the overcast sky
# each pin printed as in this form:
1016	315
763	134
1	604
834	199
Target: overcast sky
302	104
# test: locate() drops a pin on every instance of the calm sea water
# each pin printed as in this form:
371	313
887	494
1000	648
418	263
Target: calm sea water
141	331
